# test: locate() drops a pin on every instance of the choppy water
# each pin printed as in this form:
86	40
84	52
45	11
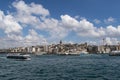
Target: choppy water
53	67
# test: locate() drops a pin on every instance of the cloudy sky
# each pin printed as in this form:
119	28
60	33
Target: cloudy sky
35	22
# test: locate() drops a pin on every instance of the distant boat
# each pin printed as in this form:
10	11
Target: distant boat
18	56
83	52
114	53
41	53
67	53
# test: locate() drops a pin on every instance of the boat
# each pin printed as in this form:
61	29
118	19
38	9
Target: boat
114	53
83	52
18	56
41	53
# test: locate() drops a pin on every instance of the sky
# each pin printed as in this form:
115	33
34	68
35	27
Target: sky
40	22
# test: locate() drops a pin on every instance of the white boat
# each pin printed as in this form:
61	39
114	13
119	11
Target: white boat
18	56
41	53
83	52
114	53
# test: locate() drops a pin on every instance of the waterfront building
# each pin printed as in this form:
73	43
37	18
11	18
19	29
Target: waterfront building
104	49
62	48
92	49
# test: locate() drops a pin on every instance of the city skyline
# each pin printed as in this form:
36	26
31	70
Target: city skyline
34	22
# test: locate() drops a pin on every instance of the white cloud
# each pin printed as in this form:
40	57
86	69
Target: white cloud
101	31
82	28
77	17
13	40
112	31
86	29
96	21
12	24
109	20
111	41
29	13
55	28
32	8
34	38
14	37
8	24
12	30
36	18
69	22
34	15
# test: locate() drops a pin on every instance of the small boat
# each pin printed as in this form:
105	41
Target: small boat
83	52
18	56
114	53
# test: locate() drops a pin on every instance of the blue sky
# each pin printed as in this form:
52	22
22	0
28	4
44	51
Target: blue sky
35	22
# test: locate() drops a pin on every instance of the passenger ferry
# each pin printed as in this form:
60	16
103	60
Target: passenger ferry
18	56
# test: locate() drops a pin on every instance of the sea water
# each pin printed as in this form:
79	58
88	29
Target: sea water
56	67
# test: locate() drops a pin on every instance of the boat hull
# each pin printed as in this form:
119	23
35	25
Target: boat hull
118	54
115	53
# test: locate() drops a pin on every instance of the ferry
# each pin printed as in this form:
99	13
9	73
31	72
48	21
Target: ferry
18	56
114	53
